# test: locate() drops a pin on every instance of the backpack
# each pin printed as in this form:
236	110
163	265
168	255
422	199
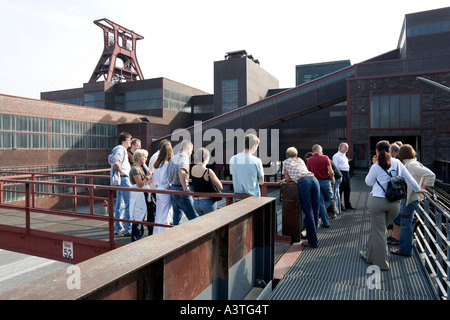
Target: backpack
396	188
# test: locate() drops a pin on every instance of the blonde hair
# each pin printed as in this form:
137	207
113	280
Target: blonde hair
291	152
139	153
201	154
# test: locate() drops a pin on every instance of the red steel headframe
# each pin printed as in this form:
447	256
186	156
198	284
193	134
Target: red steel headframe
119	43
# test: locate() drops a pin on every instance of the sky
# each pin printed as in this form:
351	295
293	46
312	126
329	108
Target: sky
49	45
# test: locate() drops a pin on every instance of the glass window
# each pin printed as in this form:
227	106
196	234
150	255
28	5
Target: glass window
404	111
384	112
93	96
415	110
394	112
375	112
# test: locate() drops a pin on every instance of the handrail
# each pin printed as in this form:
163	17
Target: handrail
433	242
93	192
207	258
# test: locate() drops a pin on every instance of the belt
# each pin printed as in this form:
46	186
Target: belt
177	185
124	176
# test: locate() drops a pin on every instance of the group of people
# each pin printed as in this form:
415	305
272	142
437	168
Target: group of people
165	171
323	188
319	179
321	183
396	159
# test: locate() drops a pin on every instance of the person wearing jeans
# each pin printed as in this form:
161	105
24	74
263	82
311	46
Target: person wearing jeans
119	161
320	165
178	178
295	170
424	177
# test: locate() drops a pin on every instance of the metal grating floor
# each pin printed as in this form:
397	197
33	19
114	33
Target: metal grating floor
336	271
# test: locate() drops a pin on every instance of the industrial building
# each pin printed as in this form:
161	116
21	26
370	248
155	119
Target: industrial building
380	98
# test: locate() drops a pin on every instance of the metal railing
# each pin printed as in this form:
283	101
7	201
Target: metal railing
432	240
218	256
41	193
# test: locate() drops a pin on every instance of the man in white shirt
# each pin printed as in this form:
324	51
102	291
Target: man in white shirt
341	161
120	162
246	169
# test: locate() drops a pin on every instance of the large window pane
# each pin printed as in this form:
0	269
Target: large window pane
415	110
394	112
384	112
404	111
375	112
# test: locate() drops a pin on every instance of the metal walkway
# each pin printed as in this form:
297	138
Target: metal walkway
335	270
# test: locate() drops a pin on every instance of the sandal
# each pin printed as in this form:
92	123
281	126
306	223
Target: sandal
398	253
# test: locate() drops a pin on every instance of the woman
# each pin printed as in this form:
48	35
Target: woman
424	177
201	177
138	203
295	170
382	212
163	214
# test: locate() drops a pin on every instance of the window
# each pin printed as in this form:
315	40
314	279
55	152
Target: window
395	111
229	95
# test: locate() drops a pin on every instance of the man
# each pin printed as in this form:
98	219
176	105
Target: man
341	161
320	165
119	160
246	169
178	178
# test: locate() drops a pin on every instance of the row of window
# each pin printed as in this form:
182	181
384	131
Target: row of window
229	95
41	133
442	26
9	140
395	111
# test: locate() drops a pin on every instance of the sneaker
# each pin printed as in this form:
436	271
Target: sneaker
119	233
128	234
363	254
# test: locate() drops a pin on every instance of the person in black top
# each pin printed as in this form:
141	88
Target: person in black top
201	177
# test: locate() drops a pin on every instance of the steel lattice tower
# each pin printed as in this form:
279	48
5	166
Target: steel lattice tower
119	43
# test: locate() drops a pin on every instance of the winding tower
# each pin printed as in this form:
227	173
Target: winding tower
118	62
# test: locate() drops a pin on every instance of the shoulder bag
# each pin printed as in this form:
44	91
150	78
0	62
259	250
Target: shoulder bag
215	188
396	188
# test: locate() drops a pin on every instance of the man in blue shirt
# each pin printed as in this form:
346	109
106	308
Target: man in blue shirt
246	169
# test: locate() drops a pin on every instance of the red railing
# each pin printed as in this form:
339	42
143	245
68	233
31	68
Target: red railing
45	200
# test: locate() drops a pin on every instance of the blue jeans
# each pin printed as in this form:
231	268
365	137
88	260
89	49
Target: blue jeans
309	197
182	203
326	198
406	226
204	206
125	196
336	195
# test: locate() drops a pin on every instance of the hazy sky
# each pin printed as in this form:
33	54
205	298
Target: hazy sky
51	45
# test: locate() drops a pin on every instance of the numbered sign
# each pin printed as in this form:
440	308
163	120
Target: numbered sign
67	249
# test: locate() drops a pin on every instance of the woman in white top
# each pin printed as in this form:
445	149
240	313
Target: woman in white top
164	211
138	204
382	212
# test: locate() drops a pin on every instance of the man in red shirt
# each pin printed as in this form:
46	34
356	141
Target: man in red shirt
320	165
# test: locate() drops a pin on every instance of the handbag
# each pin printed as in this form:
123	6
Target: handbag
215	188
396	188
